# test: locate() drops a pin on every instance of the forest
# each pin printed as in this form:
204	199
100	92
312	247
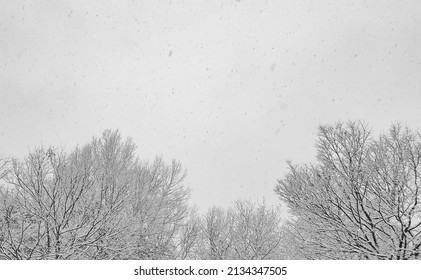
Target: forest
358	199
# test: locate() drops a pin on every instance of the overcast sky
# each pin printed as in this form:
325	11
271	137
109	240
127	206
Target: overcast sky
230	88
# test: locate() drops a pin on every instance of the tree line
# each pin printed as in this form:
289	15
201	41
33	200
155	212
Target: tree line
358	200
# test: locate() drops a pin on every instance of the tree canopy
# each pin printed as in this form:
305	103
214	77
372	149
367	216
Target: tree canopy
96	202
360	199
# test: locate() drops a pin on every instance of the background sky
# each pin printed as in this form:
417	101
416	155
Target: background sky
231	89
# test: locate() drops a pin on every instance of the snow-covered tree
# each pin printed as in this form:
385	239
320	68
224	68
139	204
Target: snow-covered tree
361	199
246	231
97	202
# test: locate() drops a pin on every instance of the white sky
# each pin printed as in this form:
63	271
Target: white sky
229	88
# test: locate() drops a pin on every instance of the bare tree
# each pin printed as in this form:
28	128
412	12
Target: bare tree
247	231
188	237
257	231
361	199
62	206
98	202
3	168
216	235
156	210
